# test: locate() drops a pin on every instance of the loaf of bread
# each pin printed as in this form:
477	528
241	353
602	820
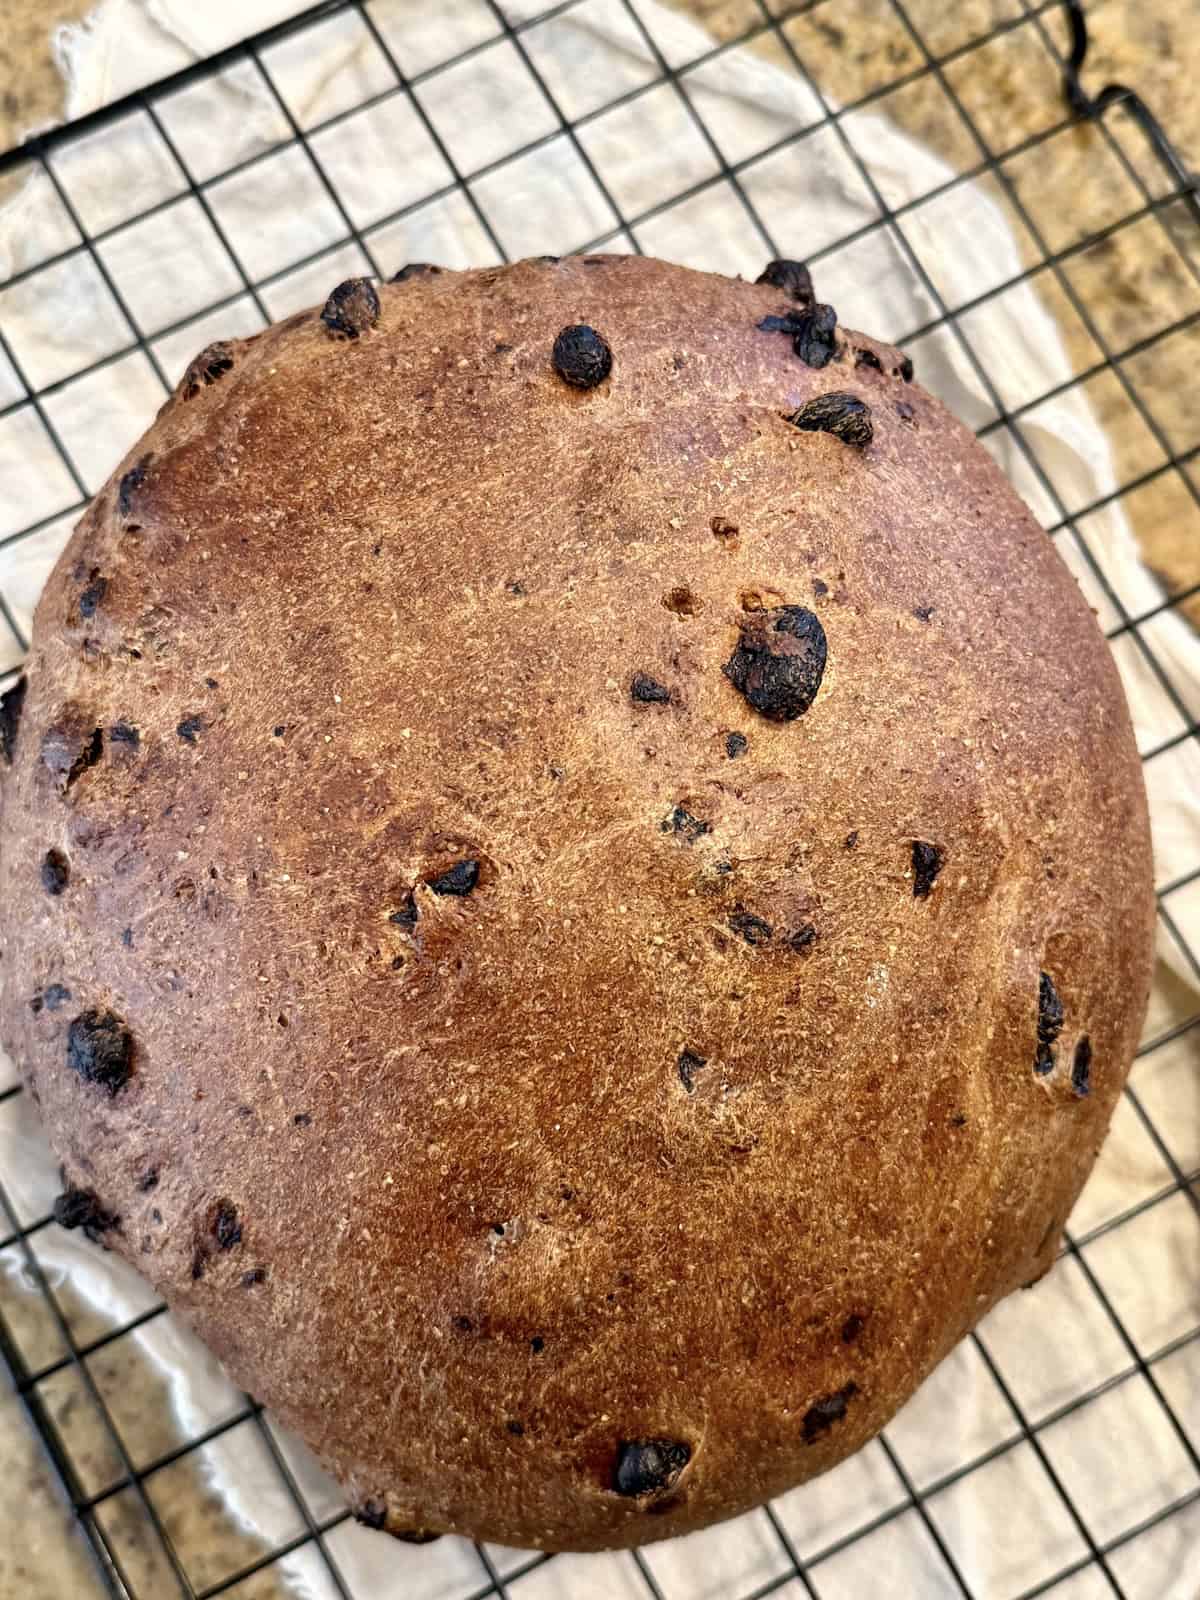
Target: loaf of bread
577	890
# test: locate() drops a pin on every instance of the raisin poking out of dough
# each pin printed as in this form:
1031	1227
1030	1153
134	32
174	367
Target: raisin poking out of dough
91	598
819	1418
189	727
54	997
804	935
905	369
686	825
689	1064
459	880
1081	1067
648	1466
793	277
407	915
868	358
56	872
81	1208
124	733
815	339
210	365
100	1049
254	1276
736	744
352	308
751	928
1049	1024
414	269
372	1514
227	1230
581	357
649	691
844	415
128	488
779	661
11	703
926	864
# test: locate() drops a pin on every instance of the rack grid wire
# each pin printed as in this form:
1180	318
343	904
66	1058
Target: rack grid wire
1139	1383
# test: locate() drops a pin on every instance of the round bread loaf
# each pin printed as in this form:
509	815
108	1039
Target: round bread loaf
577	887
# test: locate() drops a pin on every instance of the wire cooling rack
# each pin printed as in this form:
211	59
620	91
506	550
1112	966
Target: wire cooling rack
1081	1441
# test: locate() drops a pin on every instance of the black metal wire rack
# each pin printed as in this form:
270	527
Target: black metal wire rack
908	1515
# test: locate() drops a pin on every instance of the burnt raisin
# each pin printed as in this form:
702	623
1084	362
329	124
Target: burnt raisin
1049	1024
352	308
868	358
844	415
793	277
255	1275
779	661
279	730
407	915
905	369
1081	1067
649	691
148	1180
684	823
81	1208
754	930
736	744
648	1466
819	1418
226	1228
723	528
805	935
581	357
372	1514
923	613
11	703
815	340
537	1344
100	1049
124	733
791	322
55	996
189	727
56	872
689	1064
129	485
303	1119
852	1327
459	880
414	269
211	364
91	597
515	1428
926	864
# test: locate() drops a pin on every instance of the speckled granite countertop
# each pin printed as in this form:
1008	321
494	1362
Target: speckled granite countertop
1133	284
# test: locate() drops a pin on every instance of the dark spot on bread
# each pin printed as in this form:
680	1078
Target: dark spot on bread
91	597
648	1466
188	728
415	269
820	588
779	661
100	1049
804	935
688	827
852	1327
127	935
148	1180
130	484
515	587
211	683
754	930
537	1344
821	1416
226	1228
868	358
926	864
406	916
905	369
68	750
688	1065
81	1208
736	744
793	277
923	613
12	702
56	872
1081	1067
124	733
515	1428
648	690
1049	1024
843	415
303	1119
351	309
459	880
850	842
371	1514
581	357
53	997
815	338
463	1324
414	1535
683	602
199	1262
212	363
279	730
958	1120
906	413
255	1275
723	528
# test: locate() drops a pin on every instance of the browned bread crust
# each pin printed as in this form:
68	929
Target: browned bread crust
527	886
